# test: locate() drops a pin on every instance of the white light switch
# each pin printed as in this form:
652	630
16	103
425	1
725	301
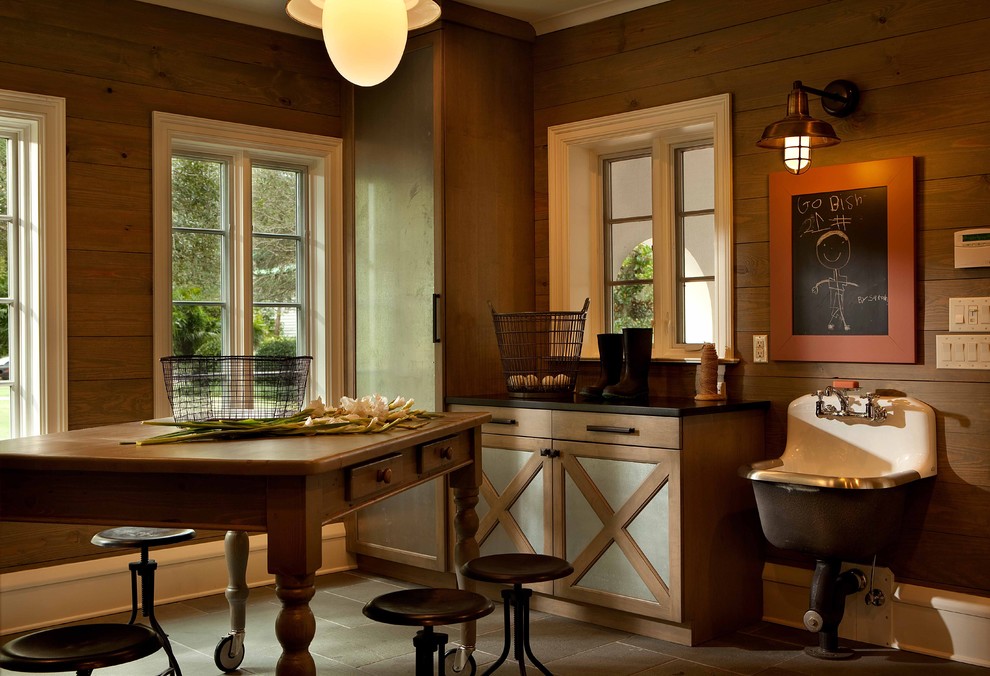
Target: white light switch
970	315
956	351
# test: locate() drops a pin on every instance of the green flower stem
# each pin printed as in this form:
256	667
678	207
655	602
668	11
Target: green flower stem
402	417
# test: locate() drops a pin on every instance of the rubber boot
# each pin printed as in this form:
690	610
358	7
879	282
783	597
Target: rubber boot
610	353
637	349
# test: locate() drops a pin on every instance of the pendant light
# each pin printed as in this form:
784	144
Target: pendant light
364	38
799	132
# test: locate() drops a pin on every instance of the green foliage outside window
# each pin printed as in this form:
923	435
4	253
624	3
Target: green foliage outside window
632	304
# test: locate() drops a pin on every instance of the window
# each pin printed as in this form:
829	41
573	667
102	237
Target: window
33	370
641	223
206	269
248	249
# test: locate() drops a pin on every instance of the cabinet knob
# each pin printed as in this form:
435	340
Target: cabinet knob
384	476
446	453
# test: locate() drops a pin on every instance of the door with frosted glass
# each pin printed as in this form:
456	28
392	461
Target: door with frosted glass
396	279
618	525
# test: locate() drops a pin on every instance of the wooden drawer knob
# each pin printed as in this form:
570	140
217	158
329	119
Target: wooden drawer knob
446	453
384	476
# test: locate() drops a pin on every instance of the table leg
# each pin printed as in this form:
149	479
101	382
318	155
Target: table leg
230	651
295	625
465	484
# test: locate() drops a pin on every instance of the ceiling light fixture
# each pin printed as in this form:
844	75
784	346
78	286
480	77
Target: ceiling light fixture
364	38
798	133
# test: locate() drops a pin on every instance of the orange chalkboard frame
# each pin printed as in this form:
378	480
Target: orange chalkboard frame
898	345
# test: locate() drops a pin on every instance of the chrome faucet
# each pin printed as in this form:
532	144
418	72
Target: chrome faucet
873	411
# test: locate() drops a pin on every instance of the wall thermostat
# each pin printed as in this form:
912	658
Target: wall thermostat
972	248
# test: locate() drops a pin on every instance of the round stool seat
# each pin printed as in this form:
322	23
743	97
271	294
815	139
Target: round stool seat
428	607
517	568
140	536
79	647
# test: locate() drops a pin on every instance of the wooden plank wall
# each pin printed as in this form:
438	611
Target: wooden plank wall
116	61
924	69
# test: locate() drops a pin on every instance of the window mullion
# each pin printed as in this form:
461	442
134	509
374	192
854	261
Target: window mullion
238	275
664	248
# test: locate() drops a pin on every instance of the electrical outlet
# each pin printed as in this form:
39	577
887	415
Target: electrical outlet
760	349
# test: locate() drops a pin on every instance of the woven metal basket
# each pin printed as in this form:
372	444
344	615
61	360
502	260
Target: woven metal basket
540	351
235	387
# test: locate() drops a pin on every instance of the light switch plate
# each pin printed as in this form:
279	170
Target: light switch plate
969	315
963	352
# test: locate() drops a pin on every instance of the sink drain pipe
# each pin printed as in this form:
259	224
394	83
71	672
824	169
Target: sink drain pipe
829	588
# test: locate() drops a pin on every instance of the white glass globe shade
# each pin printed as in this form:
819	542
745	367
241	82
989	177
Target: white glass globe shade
365	38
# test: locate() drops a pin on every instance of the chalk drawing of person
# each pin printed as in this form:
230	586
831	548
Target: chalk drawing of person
833	251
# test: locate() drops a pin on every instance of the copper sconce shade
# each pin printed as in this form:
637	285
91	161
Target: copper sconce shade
797	133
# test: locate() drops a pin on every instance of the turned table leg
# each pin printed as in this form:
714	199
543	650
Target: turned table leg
295	626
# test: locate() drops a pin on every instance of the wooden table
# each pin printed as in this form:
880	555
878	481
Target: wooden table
287	487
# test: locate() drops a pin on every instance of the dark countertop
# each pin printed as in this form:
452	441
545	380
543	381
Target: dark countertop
675	407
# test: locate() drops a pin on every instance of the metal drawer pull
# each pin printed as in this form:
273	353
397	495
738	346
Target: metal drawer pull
613	430
504	421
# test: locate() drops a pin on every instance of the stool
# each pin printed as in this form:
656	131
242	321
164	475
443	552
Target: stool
136	537
517	570
79	648
427	608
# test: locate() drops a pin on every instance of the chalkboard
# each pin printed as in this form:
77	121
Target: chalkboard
839	263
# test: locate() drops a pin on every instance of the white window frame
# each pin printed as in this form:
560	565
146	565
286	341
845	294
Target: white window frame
39	395
323	158
576	229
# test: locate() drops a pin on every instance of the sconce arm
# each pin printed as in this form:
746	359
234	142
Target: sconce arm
839	98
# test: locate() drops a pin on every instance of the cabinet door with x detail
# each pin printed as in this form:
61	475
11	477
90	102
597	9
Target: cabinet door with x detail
618	523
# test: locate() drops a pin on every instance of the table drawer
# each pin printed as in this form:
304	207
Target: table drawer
524	422
438	455
609	428
365	480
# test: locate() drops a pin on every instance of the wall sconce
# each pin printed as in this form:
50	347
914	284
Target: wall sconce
364	38
798	133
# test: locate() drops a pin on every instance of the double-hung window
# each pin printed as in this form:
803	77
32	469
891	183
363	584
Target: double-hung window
248	246
641	223
33	371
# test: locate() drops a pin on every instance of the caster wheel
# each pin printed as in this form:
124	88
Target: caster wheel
229	654
450	663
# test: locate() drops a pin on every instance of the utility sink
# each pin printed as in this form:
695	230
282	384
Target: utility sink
840	486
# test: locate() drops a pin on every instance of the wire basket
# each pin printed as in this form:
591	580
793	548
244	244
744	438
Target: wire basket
235	388
540	350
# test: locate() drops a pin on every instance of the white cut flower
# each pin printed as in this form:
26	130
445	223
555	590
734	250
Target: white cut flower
317	408
368	406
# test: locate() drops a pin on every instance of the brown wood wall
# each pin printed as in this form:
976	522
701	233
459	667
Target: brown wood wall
923	65
924	68
116	61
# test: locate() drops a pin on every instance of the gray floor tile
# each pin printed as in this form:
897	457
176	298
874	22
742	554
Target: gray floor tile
348	644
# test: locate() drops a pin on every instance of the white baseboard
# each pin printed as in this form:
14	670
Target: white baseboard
76	591
919	619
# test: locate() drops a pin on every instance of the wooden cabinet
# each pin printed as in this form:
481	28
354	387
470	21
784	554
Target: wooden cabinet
648	509
442	223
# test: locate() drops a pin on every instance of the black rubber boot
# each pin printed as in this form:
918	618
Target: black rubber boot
637	348
610	353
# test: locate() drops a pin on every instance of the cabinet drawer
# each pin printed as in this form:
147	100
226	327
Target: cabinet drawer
441	453
609	428
363	481
524	422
